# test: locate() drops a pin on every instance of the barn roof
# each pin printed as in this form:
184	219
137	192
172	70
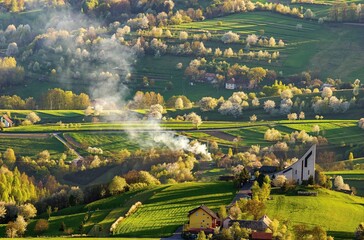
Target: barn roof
259	225
7	119
204	208
268	169
231	81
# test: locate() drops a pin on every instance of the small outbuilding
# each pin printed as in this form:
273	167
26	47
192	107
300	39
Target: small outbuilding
260	225
4	119
231	84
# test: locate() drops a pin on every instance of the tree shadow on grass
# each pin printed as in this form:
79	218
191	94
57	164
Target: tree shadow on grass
338	235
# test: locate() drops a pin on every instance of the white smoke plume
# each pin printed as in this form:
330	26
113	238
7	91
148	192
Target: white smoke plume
85	52
108	76
157	136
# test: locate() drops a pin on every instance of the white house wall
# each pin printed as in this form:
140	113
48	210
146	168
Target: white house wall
302	169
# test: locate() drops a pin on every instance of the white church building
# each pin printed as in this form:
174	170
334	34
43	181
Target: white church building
302	169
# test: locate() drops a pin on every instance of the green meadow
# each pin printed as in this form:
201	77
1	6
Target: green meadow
102	212
305	48
118	126
338	213
105	141
355	178
21	146
319	48
49	116
165	211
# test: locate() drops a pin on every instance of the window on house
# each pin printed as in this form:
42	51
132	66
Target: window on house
295	172
308	172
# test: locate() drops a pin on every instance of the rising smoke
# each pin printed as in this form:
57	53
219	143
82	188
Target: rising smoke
107	80
156	136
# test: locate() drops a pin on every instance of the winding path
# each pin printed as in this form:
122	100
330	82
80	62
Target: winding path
43	136
79	157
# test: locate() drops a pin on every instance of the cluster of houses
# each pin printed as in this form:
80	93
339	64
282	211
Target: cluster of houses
204	219
230	84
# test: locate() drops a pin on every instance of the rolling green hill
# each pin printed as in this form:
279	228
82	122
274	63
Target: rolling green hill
165	211
338	213
154	218
165	208
305	47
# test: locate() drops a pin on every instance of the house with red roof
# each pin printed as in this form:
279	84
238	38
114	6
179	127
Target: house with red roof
6	121
202	219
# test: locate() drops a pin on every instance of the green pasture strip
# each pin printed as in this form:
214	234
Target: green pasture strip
106	141
21	146
206	137
123	126
120	211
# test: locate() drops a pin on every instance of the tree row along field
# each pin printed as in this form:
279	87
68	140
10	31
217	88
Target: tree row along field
119	126
338	133
71	117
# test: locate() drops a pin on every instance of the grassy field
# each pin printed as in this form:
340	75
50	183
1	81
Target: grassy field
29	17
163	70
117	126
336	132
163	213
102	212
49	116
213	174
110	137
320	48
106	141
21	146
355	178
327	210
324	43
164	208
